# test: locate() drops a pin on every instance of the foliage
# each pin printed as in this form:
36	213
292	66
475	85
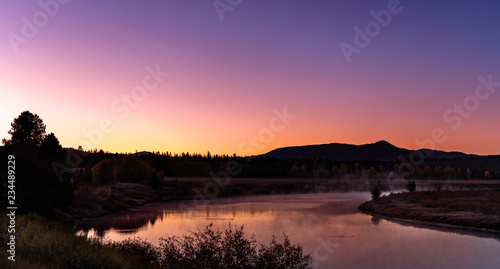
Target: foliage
50	145
195	165
28	129
122	169
49	243
282	255
375	193
154	180
411	186
38	189
474	208
137	249
103	171
56	246
231	249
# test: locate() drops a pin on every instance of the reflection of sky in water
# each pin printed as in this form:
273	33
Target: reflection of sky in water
328	226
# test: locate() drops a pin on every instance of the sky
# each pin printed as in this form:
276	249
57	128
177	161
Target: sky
244	77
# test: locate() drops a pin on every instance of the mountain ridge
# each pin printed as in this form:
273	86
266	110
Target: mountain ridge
377	151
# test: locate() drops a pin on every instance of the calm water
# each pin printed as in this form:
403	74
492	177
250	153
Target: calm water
328	226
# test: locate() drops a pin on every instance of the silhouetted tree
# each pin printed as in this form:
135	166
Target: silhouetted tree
154	182
469	172
411	186
38	188
27	129
375	193
50	145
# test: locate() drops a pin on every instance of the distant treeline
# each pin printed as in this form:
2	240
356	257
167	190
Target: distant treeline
44	176
197	165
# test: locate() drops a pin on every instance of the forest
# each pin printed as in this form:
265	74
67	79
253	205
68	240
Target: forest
198	165
47	174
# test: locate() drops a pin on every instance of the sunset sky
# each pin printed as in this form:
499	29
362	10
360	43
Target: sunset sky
230	68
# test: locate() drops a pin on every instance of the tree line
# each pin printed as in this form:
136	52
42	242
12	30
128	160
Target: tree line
40	190
197	165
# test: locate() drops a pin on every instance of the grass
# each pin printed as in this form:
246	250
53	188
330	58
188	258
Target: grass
473	208
48	244
43	243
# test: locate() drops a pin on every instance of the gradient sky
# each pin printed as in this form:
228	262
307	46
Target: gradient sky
226	77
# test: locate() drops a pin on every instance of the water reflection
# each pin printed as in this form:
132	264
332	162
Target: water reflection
483	233
376	220
328	226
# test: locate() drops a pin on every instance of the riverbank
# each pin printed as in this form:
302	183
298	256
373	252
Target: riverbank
93	201
96	201
471	208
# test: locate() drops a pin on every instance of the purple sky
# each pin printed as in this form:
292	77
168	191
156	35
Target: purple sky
226	77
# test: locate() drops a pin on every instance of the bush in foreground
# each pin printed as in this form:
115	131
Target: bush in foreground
45	243
213	249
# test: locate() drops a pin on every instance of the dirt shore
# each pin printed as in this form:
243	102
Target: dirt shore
472	208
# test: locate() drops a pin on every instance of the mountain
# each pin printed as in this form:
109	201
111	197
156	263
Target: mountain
379	151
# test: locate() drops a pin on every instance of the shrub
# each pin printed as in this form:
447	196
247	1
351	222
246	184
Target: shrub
411	186
438	186
42	242
282	255
103	172
123	169
138	249
375	193
231	249
131	169
154	182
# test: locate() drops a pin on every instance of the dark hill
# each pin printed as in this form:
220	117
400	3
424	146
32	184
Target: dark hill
379	151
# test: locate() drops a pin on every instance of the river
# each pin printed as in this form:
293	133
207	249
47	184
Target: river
328	226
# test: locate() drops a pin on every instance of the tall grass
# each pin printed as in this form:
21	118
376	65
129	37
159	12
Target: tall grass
56	246
47	244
